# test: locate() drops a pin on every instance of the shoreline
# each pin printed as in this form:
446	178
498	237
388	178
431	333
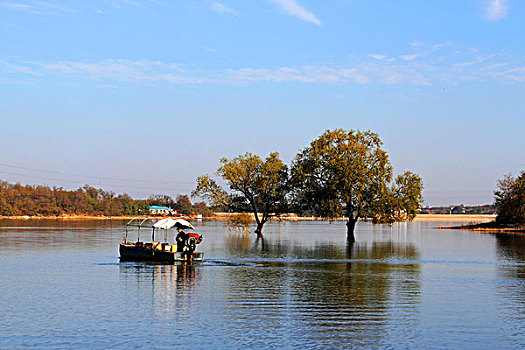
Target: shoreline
490	227
478	218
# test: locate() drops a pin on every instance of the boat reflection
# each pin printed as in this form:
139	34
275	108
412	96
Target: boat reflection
171	288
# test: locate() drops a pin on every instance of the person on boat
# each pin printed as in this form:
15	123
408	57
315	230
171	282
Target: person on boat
181	238
191	245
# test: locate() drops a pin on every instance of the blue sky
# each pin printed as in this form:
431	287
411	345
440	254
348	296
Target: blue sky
144	96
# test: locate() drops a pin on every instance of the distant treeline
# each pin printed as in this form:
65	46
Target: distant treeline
461	209
17	199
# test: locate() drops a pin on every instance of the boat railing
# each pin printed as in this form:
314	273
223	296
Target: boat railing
139	222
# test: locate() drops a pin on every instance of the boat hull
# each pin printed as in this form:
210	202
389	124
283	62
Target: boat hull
131	252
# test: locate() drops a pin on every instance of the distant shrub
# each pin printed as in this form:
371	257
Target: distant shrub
17	199
239	222
510	199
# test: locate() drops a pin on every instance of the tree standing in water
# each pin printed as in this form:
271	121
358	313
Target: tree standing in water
255	186
347	174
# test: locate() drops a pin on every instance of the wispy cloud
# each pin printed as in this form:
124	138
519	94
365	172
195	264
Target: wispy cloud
55	7
382	57
219	7
8	25
36	7
294	9
423	50
124	71
378	57
210	49
446	65
496	9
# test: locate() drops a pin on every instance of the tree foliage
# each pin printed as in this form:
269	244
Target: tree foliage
510	199
254	185
17	199
346	173
161	200
407	196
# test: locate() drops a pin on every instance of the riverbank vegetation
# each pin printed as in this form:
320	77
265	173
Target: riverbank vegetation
28	200
509	200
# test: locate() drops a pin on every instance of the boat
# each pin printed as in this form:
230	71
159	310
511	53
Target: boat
155	251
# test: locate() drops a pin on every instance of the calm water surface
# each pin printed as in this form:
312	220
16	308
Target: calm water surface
401	286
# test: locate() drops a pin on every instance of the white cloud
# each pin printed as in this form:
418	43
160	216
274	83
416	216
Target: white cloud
36	7
210	49
476	60
411	57
450	66
219	7
424	50
294	9
496	9
382	57
124	71
23	7
54	7
377	57
19	68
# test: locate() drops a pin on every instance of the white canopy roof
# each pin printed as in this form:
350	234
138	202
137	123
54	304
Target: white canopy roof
169	223
165	223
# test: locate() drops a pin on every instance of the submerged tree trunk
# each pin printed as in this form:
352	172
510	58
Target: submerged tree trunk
350	226
260	223
259	229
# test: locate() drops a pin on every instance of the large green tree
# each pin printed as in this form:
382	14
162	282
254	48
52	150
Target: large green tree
253	185
347	174
510	199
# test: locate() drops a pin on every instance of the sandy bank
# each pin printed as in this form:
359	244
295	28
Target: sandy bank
490	227
456	217
287	217
68	217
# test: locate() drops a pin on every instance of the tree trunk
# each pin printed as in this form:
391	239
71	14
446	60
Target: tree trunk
350	226
259	229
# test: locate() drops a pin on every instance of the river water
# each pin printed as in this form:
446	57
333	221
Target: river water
409	285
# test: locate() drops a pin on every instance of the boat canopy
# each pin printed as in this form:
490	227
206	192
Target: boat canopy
154	223
165	223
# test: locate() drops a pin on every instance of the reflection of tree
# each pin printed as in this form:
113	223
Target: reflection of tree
331	293
37	234
512	248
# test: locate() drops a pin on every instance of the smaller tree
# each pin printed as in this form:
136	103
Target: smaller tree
202	208
254	185
239	222
183	203
510	199
407	194
161	200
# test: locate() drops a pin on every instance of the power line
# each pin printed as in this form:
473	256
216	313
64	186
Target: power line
39	177
93	176
460	191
